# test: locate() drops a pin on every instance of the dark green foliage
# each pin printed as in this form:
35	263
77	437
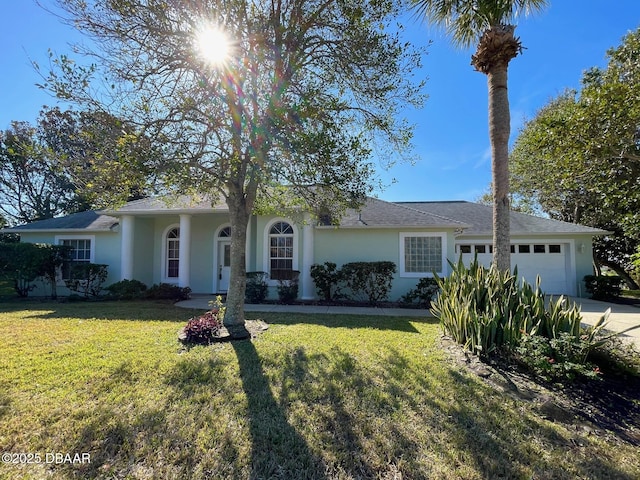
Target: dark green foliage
203	328
127	289
371	280
257	287
603	287
87	278
326	278
564	357
424	292
52	259
167	291
288	289
21	264
585	142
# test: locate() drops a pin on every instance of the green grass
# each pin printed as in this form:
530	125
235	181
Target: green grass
314	397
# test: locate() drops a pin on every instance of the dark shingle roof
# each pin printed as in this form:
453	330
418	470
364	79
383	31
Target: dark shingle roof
378	213
473	218
480	219
85	221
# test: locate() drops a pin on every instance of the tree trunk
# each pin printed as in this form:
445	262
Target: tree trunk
499	131
496	48
239	215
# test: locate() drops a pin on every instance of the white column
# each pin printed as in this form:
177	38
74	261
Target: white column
308	291
184	270
247	247
127	223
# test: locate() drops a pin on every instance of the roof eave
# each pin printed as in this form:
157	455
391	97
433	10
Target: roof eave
56	230
164	211
595	233
386	226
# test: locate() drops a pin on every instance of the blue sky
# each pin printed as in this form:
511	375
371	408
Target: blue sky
451	139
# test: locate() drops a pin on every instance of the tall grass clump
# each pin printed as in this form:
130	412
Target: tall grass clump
486	310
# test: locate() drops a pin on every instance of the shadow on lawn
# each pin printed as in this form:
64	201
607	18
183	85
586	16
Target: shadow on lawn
278	450
401	324
478	434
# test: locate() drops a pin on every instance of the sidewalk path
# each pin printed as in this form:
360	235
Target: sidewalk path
622	316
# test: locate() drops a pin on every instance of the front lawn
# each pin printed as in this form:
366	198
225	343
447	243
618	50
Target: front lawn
313	397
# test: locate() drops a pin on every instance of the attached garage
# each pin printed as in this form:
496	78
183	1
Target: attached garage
550	260
559	252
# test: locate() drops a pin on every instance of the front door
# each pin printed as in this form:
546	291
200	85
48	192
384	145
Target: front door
224	266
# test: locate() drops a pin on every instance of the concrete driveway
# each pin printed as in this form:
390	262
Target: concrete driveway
621	318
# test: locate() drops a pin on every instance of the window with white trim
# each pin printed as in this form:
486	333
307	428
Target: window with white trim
421	254
281	251
81	251
173	253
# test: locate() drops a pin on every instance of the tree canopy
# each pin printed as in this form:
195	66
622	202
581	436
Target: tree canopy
68	162
32	185
579	157
303	93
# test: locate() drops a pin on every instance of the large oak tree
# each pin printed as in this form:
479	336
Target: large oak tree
305	92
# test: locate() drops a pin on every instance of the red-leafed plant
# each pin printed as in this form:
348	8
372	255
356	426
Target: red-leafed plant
203	328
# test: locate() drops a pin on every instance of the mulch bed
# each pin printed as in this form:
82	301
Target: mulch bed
607	407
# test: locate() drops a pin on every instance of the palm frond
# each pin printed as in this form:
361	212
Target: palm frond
466	20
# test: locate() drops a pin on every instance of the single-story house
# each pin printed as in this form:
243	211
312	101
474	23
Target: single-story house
187	242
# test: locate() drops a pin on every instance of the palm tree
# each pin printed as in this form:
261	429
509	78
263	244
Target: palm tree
487	23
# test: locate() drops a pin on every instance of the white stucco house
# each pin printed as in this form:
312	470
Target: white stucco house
187	242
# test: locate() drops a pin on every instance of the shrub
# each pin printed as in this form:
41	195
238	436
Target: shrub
52	259
127	289
603	287
167	291
257	288
20	264
424	292
288	289
326	278
369	279
203	328
486	310
563	357
87	278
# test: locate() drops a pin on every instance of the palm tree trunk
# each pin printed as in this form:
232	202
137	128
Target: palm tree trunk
499	131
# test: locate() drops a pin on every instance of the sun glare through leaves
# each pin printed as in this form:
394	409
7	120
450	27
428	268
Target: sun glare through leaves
213	45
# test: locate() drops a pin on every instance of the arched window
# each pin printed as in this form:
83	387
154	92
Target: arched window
281	251
173	253
225	232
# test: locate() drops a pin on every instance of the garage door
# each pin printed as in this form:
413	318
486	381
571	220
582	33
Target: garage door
548	260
